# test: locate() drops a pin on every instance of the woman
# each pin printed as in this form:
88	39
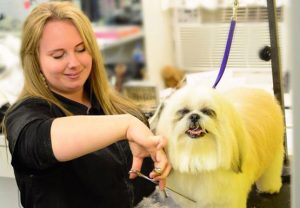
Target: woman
67	131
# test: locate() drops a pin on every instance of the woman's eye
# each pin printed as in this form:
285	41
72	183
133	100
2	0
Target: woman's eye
80	50
57	56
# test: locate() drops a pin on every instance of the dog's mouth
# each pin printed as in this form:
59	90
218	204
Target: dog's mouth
196	131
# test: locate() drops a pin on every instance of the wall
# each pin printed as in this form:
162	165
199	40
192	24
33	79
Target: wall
13	8
158	44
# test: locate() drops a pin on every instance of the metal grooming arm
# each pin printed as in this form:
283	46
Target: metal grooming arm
276	71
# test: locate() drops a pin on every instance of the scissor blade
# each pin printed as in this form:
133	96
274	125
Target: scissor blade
155	182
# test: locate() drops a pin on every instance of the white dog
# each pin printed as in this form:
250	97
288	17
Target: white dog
220	144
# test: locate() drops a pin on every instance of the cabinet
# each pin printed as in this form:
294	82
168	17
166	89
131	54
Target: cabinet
6	169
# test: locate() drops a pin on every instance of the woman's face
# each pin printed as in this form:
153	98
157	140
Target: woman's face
64	60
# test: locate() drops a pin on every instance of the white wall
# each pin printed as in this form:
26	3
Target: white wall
158	43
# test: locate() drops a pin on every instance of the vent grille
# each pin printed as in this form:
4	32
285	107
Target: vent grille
223	15
200	44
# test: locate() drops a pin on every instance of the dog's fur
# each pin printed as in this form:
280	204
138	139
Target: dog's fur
220	144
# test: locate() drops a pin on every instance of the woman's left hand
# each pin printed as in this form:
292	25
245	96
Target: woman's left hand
161	169
158	155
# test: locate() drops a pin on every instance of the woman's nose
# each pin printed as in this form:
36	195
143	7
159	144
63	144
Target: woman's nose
73	60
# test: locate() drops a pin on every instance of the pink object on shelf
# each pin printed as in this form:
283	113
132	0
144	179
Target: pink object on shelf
26	4
115	32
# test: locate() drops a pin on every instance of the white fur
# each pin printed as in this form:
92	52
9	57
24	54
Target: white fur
244	145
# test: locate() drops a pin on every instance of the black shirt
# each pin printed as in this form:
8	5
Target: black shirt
99	179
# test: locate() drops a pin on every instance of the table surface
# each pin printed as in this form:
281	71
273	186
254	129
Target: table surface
280	200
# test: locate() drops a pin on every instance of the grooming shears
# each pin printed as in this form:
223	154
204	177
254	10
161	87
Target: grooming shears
138	173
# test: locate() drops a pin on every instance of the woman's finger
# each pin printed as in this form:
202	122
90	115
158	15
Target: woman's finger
161	169
136	166
163	174
153	143
162	178
161	142
160	160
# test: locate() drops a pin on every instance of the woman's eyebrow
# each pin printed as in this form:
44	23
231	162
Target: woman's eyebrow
55	50
61	49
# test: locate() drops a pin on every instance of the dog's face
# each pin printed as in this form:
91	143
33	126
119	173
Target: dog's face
202	129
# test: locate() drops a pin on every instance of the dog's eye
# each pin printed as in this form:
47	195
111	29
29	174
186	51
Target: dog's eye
209	112
183	111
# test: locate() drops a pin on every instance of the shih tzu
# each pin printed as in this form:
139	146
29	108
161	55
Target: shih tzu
220	144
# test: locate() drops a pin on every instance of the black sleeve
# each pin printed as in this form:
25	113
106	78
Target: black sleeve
28	128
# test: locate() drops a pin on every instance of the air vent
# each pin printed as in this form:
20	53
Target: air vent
200	38
223	15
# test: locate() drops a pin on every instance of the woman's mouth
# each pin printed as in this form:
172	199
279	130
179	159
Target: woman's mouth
73	75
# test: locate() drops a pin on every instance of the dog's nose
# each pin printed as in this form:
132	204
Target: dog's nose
194	117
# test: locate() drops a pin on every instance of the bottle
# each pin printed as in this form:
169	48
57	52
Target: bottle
138	62
138	54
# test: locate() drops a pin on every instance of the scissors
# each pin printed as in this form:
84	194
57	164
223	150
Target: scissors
138	173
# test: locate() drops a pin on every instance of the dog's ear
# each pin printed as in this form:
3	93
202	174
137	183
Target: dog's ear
153	120
237	165
238	154
238	136
237	160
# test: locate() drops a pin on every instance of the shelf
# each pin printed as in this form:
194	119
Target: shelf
109	44
109	37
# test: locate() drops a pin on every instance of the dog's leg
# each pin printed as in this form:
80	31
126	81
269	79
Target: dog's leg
239	195
270	181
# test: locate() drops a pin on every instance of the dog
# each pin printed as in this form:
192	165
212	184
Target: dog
222	143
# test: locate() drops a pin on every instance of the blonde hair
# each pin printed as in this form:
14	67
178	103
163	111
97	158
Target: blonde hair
97	83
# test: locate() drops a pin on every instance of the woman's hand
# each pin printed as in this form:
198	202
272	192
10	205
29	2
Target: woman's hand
142	144
162	168
161	163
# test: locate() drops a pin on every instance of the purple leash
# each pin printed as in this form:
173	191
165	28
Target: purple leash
226	53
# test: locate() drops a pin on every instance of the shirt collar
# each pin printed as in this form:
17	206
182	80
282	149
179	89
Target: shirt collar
78	108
